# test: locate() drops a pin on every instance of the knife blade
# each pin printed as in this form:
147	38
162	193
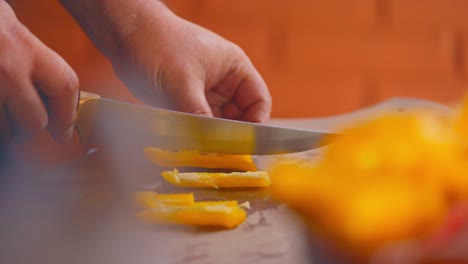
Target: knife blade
106	121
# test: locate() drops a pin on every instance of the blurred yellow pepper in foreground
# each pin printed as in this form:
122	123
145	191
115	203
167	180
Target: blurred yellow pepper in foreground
391	178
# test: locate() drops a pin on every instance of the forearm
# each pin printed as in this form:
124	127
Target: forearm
110	23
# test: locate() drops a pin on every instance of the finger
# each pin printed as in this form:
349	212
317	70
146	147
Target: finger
216	102
25	111
189	96
253	98
57	81
232	111
249	94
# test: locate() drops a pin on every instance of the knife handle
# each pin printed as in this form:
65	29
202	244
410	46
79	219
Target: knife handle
85	96
86	115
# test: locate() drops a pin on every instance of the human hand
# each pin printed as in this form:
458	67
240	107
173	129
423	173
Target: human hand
172	63
38	89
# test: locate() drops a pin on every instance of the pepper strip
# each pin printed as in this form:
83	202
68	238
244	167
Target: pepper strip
188	158
217	180
149	199
214	213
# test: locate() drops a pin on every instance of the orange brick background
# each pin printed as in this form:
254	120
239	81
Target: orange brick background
318	57
328	57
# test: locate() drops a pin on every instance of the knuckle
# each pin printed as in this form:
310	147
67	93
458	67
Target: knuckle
71	83
15	59
239	56
238	50
14	35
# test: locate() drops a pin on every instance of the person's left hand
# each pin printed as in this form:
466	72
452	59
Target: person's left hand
172	63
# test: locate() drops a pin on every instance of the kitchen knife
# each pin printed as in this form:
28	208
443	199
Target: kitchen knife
106	121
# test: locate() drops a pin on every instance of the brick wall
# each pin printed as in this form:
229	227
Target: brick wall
328	57
319	57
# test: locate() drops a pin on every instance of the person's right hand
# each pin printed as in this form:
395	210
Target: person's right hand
38	89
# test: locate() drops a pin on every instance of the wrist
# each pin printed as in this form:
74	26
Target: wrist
130	24
111	24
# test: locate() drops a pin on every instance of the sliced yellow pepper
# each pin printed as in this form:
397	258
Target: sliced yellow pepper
149	199
217	180
187	158
221	214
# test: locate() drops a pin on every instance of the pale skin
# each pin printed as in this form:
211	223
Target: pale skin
163	59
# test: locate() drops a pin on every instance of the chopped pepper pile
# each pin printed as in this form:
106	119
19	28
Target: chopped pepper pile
181	208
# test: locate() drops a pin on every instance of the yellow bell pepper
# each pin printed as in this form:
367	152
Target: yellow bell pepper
149	199
217	180
391	178
218	214
187	158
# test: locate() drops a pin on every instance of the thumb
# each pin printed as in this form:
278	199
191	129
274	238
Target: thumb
190	97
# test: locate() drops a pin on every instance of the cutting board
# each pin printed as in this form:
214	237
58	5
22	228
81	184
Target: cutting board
82	212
